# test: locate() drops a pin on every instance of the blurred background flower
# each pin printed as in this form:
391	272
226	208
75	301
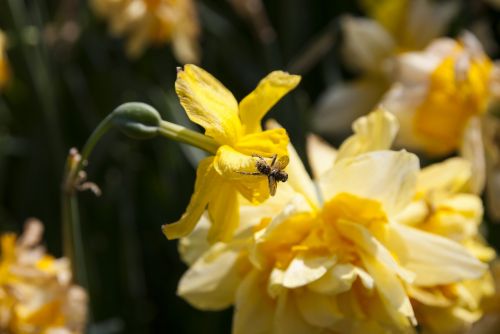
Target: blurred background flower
36	290
146	22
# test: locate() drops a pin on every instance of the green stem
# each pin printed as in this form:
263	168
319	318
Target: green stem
182	134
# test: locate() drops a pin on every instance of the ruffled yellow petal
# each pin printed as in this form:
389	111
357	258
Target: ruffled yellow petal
266	143
211	282
371	133
391	291
224	211
318	309
269	91
206	184
387	176
208	103
306	269
449	176
254	310
436	260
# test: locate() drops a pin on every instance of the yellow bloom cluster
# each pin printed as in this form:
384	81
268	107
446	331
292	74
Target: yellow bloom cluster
221	183
154	22
4	65
36	294
373	247
439	90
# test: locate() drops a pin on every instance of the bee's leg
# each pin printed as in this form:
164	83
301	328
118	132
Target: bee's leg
250	173
259	156
274	159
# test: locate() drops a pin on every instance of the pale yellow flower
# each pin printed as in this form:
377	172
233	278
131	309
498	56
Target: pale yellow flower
4	64
369	47
237	132
36	293
146	22
332	261
445	206
439	90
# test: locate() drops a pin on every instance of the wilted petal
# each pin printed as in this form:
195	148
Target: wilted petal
208	103
269	91
472	149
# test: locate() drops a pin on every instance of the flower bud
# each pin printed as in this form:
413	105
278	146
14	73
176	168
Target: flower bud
137	120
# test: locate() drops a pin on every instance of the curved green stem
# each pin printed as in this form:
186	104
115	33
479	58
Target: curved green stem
193	138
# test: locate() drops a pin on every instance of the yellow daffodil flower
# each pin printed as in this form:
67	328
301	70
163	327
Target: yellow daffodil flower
36	294
154	22
445	206
4	65
220	179
369	47
338	262
438	91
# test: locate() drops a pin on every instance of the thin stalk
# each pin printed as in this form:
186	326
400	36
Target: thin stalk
190	137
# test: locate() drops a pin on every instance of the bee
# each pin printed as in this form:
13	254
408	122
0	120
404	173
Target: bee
273	171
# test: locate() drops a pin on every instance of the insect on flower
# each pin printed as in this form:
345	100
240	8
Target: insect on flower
273	171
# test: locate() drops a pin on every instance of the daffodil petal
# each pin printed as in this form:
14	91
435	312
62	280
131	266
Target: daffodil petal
269	91
298	178
211	282
320	155
287	318
253	309
318	309
366	43
209	104
340	279
232	165
341	104
370	245
472	149
391	290
195	244
224	211
449	176
204	188
265	143
371	133
436	260
306	269
387	176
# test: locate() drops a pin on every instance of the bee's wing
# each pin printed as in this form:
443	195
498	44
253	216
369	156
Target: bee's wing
272	185
282	162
